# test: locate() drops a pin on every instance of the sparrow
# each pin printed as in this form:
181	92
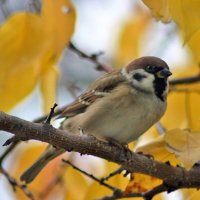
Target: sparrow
119	106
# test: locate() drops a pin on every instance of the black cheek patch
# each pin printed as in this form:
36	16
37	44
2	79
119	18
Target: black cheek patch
138	76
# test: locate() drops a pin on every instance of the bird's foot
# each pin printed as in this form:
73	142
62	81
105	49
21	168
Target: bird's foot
123	147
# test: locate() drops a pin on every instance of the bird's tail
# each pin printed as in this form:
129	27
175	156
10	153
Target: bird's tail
49	154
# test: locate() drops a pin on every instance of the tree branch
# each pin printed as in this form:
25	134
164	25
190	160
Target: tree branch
173	177
186	80
93	58
101	182
15	184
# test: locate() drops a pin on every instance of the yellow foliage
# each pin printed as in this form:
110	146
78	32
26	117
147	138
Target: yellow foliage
96	191
157	148
159	9
185	14
48	85
129	40
142	183
30	46
190	194
185	144
183	103
76	185
44	179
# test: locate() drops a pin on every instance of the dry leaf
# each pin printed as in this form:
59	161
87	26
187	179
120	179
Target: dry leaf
142	183
185	144
157	149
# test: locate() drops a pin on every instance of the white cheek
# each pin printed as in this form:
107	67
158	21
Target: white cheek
146	83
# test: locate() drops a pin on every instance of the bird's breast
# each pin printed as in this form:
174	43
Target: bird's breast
122	116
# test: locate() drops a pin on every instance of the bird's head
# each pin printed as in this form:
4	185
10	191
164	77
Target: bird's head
148	74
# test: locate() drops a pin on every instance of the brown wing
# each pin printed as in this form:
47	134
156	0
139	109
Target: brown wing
95	91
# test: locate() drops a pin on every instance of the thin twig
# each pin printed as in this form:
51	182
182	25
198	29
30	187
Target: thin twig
148	195
117	171
93	58
15	184
92	177
51	114
186	80
7	151
100	66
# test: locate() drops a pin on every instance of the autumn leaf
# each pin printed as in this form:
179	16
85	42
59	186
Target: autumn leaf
157	149
75	180
185	144
184	99
119	181
31	45
48	85
185	13
130	37
159	9
41	183
142	183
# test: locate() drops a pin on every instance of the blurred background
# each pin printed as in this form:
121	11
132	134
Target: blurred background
118	31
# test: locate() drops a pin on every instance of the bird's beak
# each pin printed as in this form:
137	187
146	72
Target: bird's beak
164	73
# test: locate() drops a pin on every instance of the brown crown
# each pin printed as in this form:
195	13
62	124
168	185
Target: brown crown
142	62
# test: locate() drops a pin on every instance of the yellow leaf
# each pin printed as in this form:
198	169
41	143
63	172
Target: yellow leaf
193	44
183	106
190	194
21	41
159	9
59	18
142	183
48	85
129	41
16	85
185	144
95	190
157	148
47	176
185	13
18	56
30	45
74	180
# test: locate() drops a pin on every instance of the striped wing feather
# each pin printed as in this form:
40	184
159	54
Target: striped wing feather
95	91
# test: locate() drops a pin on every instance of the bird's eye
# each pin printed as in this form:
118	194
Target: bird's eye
150	68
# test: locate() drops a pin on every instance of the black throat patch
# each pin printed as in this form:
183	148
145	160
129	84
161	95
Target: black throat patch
160	85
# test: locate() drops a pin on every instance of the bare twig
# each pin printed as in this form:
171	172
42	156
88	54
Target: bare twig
100	66
145	195
51	114
93	58
117	171
186	80
15	184
115	190
7	151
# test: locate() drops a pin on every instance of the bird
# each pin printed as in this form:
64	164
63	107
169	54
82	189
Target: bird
119	106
